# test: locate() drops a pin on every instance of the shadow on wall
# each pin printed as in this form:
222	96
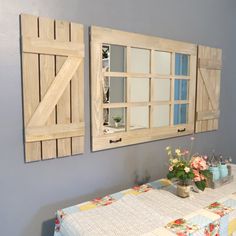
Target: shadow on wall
47	227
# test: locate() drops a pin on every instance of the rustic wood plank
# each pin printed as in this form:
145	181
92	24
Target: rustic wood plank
139	136
206	78
112	36
48	98
47	75
29	27
209	73
210	64
198	125
212	81
207	115
54	132
218	55
96	89
56	91
50	46
63	106
77	90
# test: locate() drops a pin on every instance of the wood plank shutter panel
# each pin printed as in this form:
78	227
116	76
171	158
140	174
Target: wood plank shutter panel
208	89
53	89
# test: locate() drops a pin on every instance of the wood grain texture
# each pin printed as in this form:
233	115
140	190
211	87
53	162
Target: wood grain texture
55	92
47	75
29	28
77	91
53	87
112	36
63	106
51	47
103	140
53	132
208	88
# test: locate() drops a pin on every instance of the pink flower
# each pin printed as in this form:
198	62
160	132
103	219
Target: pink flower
199	163
186	152
197	176
170	168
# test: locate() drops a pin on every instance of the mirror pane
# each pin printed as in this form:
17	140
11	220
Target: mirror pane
113	120
181	64
162	63
161	115
139	117
181	89
161	89
114	58
180	114
114	89
106	88
139	60
139	89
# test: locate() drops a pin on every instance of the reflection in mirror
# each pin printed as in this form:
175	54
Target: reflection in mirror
139	117
113	120
113	58
180	114
161	89
105	87
139	60
139	89
162	63
161	115
181	89
114	90
181	64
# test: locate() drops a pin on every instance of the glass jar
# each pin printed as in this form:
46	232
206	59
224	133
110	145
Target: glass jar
215	170
223	170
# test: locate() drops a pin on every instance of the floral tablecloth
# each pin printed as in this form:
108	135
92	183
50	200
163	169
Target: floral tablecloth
153	210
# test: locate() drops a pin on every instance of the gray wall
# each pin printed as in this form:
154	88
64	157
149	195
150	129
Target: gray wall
31	193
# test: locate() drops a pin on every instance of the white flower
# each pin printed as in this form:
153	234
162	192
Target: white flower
186	169
170	168
168	148
174	161
177	151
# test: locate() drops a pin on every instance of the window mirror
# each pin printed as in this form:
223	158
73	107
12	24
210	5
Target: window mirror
143	88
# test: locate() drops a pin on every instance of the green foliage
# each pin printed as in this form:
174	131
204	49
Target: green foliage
117	119
180	173
201	184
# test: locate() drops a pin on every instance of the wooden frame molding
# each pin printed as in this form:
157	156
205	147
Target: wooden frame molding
53	87
103	36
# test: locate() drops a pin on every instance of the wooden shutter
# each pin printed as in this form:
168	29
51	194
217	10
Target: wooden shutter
53	89
208	88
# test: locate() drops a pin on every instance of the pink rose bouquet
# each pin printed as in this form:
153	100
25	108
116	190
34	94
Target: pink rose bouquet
200	171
